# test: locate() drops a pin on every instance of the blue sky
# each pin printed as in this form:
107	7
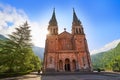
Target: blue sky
100	18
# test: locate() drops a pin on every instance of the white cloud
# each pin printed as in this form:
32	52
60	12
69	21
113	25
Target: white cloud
108	46
10	17
38	33
9	14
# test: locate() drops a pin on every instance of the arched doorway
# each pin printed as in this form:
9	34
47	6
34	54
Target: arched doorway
67	65
73	65
60	65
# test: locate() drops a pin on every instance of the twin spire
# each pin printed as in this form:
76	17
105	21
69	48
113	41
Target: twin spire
76	21
53	21
53	27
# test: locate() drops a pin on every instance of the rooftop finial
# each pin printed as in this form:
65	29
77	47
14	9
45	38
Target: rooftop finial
64	29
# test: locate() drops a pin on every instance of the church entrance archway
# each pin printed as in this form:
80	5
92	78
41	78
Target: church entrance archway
67	65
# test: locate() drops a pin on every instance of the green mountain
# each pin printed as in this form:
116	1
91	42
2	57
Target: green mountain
109	60
2	37
39	51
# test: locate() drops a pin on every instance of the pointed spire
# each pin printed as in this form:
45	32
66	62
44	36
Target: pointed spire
76	21
76	25
53	21
74	16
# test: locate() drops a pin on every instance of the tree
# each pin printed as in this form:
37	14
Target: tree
36	62
8	54
22	36
17	51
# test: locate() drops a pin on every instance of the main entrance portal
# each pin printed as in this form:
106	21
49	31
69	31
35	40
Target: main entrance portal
67	65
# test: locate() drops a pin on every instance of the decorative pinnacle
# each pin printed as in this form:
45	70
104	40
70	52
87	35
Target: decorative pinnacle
64	29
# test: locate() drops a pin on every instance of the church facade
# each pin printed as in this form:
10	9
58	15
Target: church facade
66	51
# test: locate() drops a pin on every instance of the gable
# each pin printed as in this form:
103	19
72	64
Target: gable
65	41
65	35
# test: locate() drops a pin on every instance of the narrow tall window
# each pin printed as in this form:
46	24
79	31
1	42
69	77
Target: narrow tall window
51	60
83	60
76	31
54	31
79	30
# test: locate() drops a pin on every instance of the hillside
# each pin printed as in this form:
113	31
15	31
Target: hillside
109	60
2	37
38	51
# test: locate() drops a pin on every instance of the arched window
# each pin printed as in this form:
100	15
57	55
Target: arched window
74	65
76	31
54	31
83	60
79	30
60	65
51	60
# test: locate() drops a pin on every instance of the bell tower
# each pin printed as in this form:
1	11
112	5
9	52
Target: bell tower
53	27
76	25
51	45
80	42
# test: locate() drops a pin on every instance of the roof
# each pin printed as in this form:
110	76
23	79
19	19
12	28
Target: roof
65	34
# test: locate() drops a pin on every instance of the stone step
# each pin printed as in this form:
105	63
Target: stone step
67	73
76	73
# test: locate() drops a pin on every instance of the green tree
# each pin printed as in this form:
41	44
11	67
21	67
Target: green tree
36	62
16	52
8	54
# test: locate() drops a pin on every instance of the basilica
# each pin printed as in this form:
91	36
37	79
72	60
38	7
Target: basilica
66	51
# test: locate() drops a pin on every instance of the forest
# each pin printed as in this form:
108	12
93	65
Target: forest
108	61
16	55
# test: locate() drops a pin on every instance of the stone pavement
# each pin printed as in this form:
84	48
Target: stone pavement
80	77
76	76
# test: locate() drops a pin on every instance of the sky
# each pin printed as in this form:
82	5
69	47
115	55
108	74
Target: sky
100	19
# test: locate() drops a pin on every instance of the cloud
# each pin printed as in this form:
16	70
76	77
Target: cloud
38	33
10	17
108	46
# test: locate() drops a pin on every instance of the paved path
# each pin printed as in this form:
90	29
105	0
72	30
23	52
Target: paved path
31	76
95	76
81	77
